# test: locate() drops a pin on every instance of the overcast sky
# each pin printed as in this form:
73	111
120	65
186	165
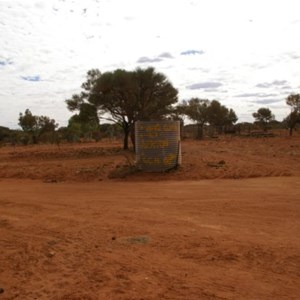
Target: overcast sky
246	54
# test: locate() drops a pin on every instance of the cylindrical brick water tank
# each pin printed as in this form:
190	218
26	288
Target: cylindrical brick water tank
157	145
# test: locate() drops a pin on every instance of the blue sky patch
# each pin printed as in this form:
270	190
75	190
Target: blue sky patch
192	52
5	62
31	78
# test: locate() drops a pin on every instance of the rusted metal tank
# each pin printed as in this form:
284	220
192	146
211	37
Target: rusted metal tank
157	145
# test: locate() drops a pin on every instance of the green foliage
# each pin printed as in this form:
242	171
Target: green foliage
4	133
28	121
293	101
45	124
203	111
219	115
126	97
109	130
79	127
293	118
36	126
263	117
74	104
231	117
197	110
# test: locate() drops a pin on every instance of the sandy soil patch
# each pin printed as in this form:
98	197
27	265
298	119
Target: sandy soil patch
77	223
213	239
222	158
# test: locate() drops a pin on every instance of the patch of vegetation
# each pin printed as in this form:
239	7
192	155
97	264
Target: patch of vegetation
124	170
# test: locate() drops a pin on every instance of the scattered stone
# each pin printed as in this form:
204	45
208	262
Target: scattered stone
113	238
50	180
143	239
1	290
214	165
51	254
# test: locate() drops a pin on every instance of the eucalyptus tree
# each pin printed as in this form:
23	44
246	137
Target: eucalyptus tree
293	118
196	110
125	97
263	117
35	126
220	116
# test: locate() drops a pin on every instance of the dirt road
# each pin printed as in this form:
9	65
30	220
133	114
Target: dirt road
213	239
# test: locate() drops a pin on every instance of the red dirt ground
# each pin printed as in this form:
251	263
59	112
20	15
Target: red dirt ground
66	235
242	158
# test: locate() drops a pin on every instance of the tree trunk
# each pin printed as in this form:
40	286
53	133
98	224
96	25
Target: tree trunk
126	130
291	131
265	127
34	139
200	131
132	135
126	135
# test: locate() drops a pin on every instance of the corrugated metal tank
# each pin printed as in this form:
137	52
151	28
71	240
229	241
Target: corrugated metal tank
157	145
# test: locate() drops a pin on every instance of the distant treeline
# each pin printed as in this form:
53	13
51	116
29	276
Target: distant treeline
114	132
57	136
123	97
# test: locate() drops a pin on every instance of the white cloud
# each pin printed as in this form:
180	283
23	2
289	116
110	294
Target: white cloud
204	85
242	45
